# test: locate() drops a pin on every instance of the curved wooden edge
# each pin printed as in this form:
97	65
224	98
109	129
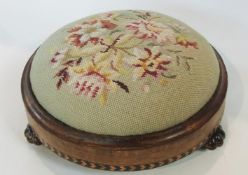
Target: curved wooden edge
65	132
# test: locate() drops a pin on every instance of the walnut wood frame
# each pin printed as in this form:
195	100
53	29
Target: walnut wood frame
126	153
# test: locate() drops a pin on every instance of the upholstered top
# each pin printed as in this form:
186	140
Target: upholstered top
124	73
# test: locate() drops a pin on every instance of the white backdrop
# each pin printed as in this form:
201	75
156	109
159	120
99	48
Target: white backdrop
27	23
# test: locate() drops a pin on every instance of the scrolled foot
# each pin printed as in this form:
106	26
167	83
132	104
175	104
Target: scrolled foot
31	136
215	140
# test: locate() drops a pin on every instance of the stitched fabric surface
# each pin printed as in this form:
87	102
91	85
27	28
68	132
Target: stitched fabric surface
124	73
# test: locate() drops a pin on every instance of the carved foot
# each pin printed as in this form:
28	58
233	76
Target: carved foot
215	140
31	136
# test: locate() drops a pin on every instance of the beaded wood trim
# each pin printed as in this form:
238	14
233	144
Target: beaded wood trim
123	167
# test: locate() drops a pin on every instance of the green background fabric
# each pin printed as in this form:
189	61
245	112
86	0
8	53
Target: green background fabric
136	112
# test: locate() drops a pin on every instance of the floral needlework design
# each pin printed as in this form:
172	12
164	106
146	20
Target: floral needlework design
105	53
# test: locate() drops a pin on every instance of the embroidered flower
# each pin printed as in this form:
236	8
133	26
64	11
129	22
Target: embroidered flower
64	73
112	47
158	32
93	80
186	43
150	63
89	32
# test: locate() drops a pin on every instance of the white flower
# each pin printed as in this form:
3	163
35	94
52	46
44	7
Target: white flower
159	32
91	31
81	34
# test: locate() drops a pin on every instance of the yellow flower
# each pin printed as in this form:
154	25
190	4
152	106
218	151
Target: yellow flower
183	41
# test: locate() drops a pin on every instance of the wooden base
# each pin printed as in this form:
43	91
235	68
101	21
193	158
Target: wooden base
216	139
126	153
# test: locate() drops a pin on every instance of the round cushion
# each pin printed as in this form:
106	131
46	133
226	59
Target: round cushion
124	73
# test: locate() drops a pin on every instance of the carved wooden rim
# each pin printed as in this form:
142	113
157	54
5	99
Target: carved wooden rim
48	122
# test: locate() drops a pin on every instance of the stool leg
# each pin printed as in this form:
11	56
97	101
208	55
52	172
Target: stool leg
215	140
31	136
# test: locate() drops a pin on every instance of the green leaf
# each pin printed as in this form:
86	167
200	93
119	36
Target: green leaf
121	85
169	76
114	31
